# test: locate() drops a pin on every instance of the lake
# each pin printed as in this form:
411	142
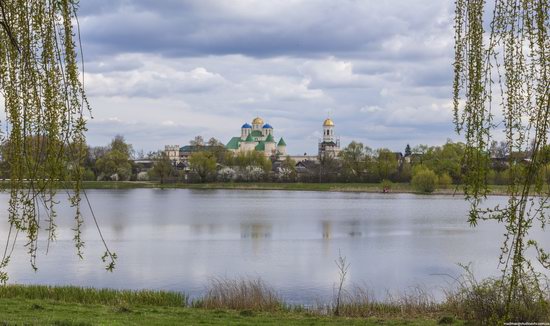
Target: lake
178	239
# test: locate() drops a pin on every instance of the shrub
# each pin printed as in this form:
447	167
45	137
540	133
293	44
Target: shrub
485	301
445	180
252	173
385	185
424	180
89	175
227	174
143	176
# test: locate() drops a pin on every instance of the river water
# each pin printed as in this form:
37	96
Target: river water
179	239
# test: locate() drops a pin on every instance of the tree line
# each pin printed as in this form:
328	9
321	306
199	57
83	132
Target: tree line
426	167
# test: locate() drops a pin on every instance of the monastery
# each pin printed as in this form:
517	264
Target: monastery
259	137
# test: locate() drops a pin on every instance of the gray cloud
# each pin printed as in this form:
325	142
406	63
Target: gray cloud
163	71
265	28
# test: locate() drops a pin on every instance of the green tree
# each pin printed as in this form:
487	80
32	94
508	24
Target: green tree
43	99
513	57
204	164
162	168
252	159
445	159
408	151
405	172
328	168
119	144
115	163
387	164
353	161
197	141
217	148
424	180
444	181
288	169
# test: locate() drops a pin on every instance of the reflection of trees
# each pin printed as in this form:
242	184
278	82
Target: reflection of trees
327	229
209	228
353	228
256	231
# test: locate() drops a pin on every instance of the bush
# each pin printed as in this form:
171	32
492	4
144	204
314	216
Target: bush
445	180
252	173
227	174
385	185
424	180
485	301
88	175
142	176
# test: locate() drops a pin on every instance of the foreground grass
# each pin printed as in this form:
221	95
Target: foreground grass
42	305
48	312
297	186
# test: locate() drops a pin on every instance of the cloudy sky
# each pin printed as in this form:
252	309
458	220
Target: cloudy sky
161	72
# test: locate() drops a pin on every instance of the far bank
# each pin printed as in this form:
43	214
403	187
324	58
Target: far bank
455	190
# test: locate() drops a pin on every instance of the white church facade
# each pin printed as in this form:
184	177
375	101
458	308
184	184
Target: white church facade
259	137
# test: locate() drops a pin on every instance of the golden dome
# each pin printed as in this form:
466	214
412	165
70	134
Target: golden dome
328	123
258	121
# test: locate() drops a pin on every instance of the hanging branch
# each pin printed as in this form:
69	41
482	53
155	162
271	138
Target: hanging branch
45	105
6	27
508	57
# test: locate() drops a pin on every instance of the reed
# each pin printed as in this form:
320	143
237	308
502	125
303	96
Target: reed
240	294
358	301
485	300
109	297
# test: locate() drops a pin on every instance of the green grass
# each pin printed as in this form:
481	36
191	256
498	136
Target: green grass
49	312
92	295
343	187
296	186
45	305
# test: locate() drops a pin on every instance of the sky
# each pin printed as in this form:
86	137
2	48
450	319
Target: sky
162	72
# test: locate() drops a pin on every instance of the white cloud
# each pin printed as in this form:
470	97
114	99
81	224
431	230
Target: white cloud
154	78
332	73
370	109
171	70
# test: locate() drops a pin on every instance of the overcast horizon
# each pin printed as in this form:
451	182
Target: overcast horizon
160	73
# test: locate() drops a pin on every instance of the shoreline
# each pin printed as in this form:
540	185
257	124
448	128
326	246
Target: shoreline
71	305
396	188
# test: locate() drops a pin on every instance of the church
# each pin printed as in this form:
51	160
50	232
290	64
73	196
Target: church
259	137
330	144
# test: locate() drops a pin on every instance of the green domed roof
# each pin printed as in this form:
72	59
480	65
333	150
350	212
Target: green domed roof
270	139
281	142
249	139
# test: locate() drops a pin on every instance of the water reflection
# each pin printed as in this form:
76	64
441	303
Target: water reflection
177	239
353	228
327	229
256	231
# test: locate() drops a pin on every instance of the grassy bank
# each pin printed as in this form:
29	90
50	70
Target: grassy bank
41	305
253	302
331	187
295	186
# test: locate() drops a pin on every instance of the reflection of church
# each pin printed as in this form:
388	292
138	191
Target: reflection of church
329	145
